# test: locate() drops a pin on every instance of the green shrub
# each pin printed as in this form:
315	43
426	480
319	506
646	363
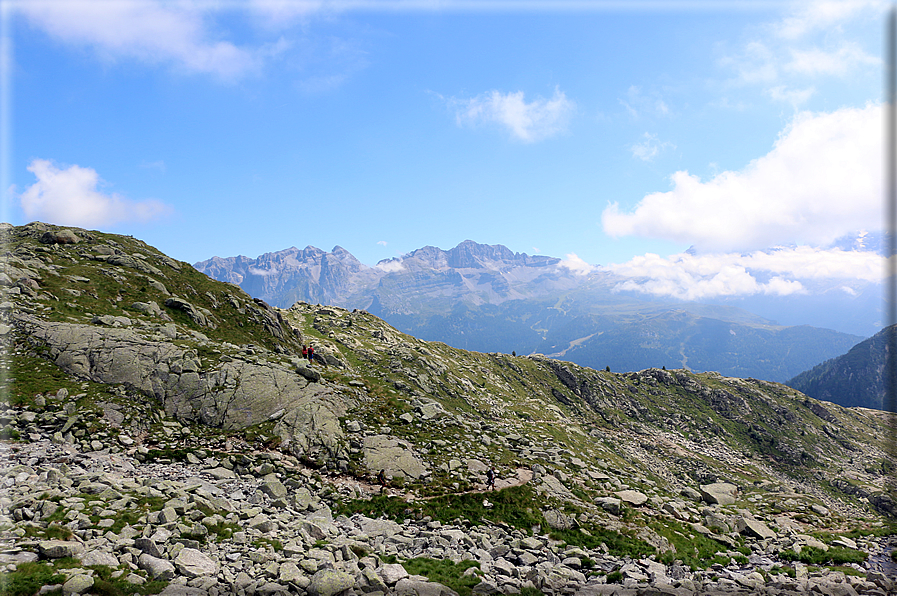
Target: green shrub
614	577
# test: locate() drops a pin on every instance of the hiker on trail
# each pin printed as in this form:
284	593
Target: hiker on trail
311	354
381	479
490	479
304	352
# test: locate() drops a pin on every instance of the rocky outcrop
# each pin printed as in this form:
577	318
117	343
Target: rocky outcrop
228	394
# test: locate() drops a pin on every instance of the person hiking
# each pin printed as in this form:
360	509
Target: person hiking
311	354
490	479
304	352
381	479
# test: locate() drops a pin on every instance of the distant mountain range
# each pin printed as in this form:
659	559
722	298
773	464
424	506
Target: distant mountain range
852	379
490	299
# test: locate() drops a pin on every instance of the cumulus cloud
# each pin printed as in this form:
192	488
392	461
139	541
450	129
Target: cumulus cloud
158	32
821	181
390	265
70	197
525	121
780	272
649	147
576	265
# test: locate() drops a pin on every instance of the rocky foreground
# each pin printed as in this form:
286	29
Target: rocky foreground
203	528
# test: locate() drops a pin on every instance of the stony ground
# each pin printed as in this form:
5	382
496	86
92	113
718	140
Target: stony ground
205	529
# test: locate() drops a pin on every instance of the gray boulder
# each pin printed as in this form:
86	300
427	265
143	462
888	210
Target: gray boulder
632	497
156	568
753	527
57	549
414	587
193	563
65	236
720	493
393	455
77	584
330	582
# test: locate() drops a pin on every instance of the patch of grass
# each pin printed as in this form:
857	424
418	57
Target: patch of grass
223	530
816	556
277	545
51	532
614	577
692	548
516	506
789	571
106	585
28	578
848	570
445	572
377	506
619	545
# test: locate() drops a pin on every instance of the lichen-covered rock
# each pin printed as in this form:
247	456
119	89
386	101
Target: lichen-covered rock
719	493
330	582
58	549
193	563
393	455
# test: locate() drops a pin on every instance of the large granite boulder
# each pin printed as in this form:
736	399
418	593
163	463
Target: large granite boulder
393	455
719	493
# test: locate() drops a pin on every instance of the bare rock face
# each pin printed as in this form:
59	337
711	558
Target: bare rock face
396	457
233	394
719	493
193	563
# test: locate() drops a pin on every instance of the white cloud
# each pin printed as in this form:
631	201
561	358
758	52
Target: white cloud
811	42
154	165
576	265
813	15
795	97
70	197
157	32
649	147
382	242
779	272
263	272
638	103
390	265
527	122
821	181
815	61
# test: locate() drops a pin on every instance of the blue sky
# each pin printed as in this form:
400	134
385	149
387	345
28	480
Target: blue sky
613	135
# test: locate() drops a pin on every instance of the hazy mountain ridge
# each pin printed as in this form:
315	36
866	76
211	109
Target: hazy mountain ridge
488	298
852	379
